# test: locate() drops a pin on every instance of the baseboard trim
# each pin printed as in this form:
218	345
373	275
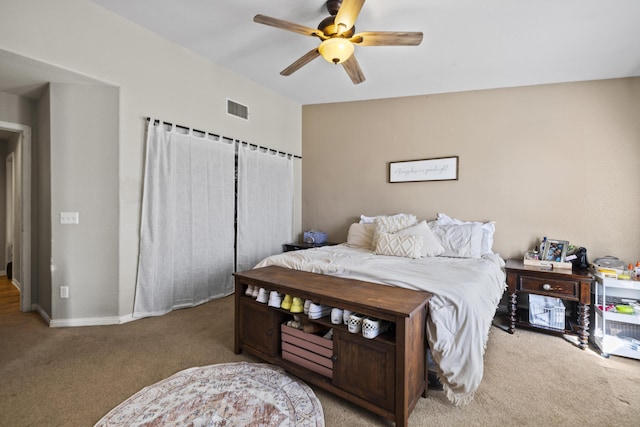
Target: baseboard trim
128	318
42	313
88	321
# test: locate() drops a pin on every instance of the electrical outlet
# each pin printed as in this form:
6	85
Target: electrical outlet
69	218
64	292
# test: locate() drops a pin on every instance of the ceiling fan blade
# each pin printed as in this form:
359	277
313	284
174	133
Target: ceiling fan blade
289	26
347	14
300	62
387	38
352	68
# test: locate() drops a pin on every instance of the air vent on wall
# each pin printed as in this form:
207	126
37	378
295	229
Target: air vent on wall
238	110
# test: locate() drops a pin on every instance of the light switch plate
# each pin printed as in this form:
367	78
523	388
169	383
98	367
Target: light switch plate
69	218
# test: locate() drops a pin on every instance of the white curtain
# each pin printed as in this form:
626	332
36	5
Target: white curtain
265	205
187	225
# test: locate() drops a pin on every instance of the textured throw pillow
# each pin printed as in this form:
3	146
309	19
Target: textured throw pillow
391	224
488	230
361	236
460	240
408	246
431	246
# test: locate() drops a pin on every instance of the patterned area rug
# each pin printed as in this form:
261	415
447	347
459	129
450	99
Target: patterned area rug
231	394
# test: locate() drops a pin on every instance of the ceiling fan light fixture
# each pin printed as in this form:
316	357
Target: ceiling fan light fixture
338	37
336	50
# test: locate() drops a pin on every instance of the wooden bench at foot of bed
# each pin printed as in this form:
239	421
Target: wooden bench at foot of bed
385	375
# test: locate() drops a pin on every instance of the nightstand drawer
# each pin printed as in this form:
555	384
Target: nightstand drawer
561	288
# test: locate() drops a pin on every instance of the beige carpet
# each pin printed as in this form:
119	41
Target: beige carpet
74	376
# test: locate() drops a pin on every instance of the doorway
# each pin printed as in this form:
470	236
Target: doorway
9	235
18	223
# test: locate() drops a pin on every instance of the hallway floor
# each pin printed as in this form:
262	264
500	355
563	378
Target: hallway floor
9	297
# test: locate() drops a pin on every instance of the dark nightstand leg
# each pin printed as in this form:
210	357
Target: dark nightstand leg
512	312
583	325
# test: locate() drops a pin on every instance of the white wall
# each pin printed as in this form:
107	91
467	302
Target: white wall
84	179
156	78
41	207
16	109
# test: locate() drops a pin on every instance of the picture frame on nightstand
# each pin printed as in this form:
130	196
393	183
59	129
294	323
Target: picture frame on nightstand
555	250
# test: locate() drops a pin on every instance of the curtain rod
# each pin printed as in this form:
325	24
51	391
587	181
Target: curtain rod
157	121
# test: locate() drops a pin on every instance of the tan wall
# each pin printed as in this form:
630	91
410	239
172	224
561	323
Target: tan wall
556	160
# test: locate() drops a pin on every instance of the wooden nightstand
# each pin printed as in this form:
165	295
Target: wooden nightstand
304	245
568	285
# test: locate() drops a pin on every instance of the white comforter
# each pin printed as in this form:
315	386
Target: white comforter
466	295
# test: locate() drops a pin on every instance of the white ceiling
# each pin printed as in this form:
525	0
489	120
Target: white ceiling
468	44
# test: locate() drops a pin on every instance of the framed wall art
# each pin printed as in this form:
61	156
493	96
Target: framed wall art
436	169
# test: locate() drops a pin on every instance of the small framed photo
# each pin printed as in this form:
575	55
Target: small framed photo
555	250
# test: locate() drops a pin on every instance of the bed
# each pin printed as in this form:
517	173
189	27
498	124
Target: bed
450	258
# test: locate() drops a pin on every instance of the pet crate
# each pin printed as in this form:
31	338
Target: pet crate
547	312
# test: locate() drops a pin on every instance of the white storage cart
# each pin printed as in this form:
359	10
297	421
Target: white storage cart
613	332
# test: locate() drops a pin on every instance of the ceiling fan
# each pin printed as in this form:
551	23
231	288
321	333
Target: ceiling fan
338	37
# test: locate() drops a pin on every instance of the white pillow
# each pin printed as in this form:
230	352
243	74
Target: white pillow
367	219
431	245
409	246
391	224
361	236
488	230
371	219
460	240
